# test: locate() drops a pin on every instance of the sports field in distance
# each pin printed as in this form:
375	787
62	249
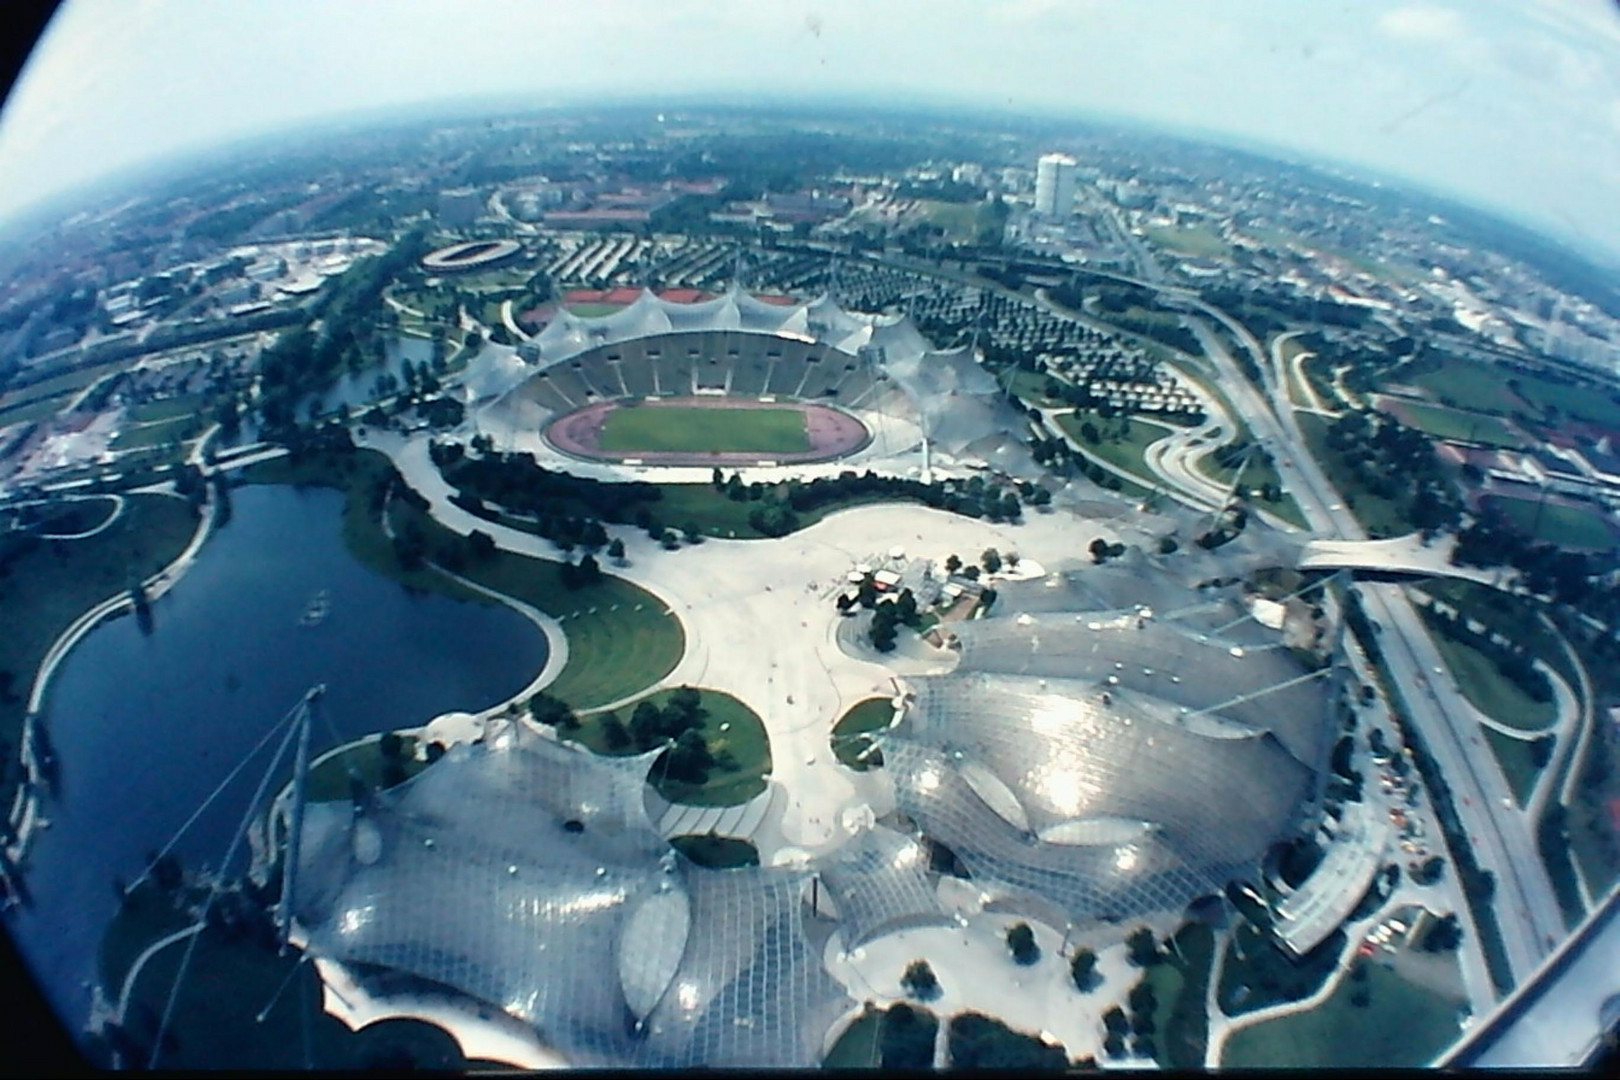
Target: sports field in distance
684	429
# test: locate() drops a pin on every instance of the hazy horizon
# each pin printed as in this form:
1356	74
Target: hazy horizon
1513	108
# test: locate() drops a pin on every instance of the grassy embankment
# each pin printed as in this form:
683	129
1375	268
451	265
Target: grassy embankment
1380	517
1180	983
850	738
621	639
729	726
1400	1025
46	586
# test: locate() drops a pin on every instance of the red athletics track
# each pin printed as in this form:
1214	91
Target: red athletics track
832	433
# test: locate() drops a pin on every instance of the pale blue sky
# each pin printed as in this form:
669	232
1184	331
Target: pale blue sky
1505	103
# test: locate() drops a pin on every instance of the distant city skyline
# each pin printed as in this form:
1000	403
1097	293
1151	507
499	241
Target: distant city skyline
1511	106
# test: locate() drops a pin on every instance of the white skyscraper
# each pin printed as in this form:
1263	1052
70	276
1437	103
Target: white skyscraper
1054	185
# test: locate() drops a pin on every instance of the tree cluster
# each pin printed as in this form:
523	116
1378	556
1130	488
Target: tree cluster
907	1039
1141	948
303	361
1021	943
919	981
1569	577
1395	463
517	483
981	1042
1101	550
889	615
1512	661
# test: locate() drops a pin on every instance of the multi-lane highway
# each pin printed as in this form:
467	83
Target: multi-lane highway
1525	906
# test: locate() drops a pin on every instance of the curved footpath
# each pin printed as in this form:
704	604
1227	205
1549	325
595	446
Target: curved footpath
772	646
25	813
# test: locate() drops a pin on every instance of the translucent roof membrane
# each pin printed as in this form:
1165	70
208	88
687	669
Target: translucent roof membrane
879	883
751	990
1181	665
506	871
524	873
1082	763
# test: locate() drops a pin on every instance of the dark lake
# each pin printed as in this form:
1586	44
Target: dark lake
145	726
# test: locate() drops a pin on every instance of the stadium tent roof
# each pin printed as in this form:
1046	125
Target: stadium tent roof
506	871
1209	798
495	370
1186	667
525	873
751	989
879	883
569	336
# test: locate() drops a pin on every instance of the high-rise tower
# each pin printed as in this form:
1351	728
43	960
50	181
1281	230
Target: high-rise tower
1054	185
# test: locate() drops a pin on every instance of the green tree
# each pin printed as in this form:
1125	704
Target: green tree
1021	942
689	759
952	564
919	981
615	550
1083	968
907	1039
646	725
553	712
614	734
1142	950
990	560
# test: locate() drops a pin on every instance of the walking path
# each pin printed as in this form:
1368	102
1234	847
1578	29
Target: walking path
774	646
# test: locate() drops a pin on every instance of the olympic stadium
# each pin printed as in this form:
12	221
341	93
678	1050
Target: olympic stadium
808	383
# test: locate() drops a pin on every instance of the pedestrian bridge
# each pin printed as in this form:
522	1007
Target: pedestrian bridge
1397	555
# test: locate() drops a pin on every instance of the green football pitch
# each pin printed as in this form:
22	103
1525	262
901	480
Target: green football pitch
696	430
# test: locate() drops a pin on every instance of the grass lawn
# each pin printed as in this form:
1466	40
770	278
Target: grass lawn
1518	764
1583	402
26	412
1514	617
1402	1026
51	584
849	736
1470	385
729	726
688	429
329	781
1258	973
59	385
621	639
1555	523
1196	240
591	311
710	510
1380	517
858	1046
1124	440
1259	473
150	412
63	517
1489	691
1180	983
1445	423
716	852
1297	394
160	433
1030	386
